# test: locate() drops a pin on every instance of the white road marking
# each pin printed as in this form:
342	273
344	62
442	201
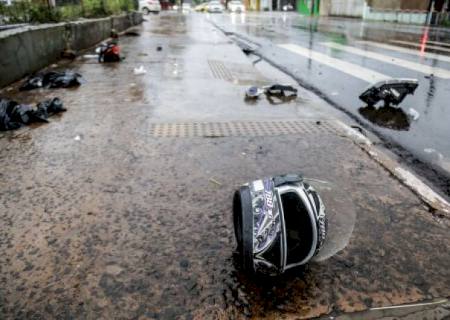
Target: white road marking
410	305
442	44
354	70
427	55
418	45
438	72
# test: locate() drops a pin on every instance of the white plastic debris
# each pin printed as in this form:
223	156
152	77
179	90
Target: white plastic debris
434	155
139	71
77	138
414	114
90	56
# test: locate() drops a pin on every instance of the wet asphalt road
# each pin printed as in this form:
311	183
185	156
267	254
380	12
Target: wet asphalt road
102	217
391	50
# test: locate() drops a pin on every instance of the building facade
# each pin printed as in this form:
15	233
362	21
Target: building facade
405	11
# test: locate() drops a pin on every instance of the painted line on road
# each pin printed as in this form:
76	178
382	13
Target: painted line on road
418	45
354	70
411	305
426	69
442	44
427	55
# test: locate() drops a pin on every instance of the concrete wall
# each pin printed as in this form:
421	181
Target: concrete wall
404	11
26	50
398	4
403	16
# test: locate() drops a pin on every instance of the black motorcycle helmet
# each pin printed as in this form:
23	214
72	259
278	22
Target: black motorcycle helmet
279	223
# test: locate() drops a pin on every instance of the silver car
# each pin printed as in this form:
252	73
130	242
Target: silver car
215	7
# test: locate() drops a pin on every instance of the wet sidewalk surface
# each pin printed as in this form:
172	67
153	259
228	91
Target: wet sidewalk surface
115	210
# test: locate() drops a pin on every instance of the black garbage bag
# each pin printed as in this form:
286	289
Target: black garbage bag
48	107
13	115
53	79
7	108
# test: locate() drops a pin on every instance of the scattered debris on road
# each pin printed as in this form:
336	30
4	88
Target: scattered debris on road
253	92
391	91
281	90
139	71
279	223
275	90
13	115
90	56
68	54
108	52
414	114
215	181
53	79
132	33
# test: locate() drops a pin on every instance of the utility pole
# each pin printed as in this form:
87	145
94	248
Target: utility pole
430	11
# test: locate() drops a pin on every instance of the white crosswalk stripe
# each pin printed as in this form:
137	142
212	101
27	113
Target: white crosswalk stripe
423	68
418	45
354	70
427	55
442	44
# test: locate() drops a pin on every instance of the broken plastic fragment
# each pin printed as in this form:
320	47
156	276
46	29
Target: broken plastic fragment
414	114
278	90
281	90
90	56
391	91
253	92
139	71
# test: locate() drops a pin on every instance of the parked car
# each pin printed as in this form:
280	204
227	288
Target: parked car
147	6
215	7
236	6
202	7
288	7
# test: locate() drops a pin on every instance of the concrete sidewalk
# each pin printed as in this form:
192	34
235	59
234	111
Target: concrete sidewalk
132	219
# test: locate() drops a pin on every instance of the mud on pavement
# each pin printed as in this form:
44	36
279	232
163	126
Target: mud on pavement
125	222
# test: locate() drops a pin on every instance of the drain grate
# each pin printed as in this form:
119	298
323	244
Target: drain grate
240	129
220	71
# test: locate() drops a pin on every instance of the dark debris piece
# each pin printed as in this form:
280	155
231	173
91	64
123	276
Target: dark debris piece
281	90
391	91
132	33
277	90
53	79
